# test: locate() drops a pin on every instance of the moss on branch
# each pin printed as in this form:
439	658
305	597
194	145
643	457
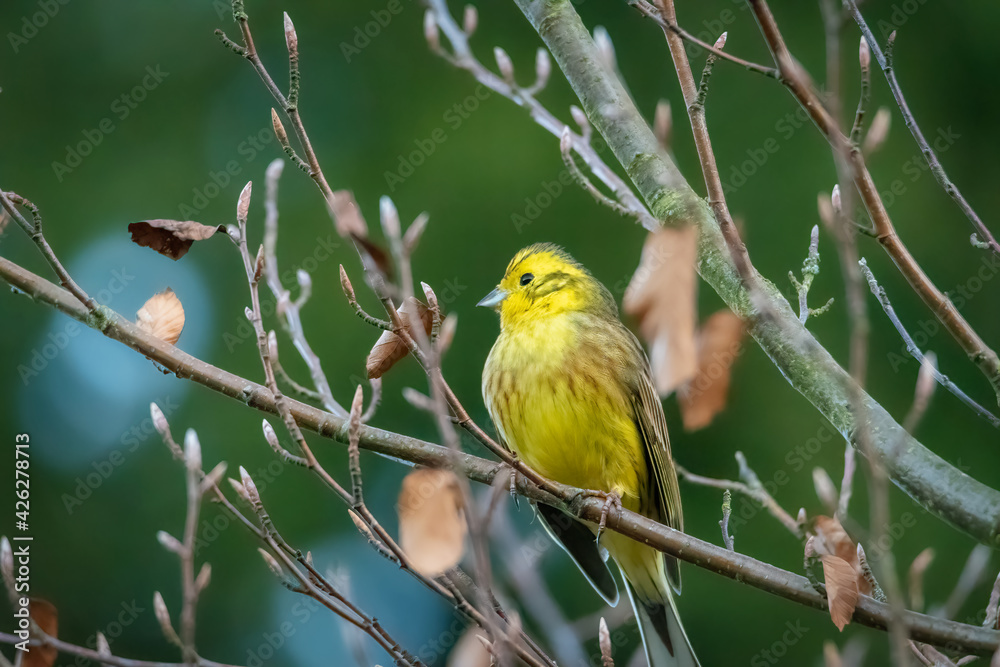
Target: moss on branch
929	480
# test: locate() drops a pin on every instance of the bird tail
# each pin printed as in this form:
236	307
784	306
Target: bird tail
652	595
663	636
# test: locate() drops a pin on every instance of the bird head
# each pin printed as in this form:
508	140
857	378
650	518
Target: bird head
544	280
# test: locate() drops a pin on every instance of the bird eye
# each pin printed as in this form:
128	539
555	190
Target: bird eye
526	278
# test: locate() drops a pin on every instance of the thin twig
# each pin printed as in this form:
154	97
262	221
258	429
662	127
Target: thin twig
648	10
694	99
930	156
254	269
810	269
751	487
914	350
685	547
727	509
287	309
864	59
461	56
799	84
993	606
523	575
566	148
311	582
193	473
34	231
100	658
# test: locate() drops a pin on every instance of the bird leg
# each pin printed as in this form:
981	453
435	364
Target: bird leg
610	499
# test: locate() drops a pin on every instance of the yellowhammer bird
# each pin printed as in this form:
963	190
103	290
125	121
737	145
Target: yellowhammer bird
570	392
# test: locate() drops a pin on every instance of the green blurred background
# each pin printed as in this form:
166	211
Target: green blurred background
103	484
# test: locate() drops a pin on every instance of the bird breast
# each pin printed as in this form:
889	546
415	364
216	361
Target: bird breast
556	399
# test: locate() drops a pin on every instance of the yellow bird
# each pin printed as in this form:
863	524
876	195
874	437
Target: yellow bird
570	391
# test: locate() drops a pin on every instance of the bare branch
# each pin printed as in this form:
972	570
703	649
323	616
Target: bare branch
915	352
885	63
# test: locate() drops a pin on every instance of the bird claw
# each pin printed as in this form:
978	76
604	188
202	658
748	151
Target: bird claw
513	482
611	499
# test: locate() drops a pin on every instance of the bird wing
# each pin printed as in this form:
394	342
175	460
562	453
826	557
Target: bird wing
652	426
577	539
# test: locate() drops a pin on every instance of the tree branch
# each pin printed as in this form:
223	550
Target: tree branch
764	576
939	487
885	63
798	83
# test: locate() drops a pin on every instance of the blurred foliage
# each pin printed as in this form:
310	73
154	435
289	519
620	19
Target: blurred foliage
369	101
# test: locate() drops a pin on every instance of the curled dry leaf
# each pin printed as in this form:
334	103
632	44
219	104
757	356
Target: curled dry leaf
390	348
347	215
431	521
172	238
162	316
842	571
841	589
833	540
45	614
351	224
470	650
374	256
661	297
720	341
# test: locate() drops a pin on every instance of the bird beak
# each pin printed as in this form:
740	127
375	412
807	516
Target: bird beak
493	299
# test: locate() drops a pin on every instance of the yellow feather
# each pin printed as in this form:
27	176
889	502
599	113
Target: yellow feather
570	392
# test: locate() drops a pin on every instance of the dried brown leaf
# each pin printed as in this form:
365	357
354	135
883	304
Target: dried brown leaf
661	297
390	348
162	316
841	581
832	540
347	216
172	238
375	256
705	395
45	614
431	522
470	650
